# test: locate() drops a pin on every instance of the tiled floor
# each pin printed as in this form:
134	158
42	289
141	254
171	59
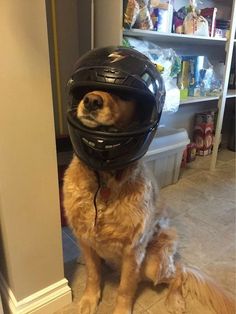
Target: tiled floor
202	208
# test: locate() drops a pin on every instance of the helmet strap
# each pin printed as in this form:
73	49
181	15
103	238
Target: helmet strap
104	190
95	198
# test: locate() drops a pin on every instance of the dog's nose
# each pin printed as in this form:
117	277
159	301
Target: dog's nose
93	102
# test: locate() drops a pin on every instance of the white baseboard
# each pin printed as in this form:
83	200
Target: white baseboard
1	308
45	301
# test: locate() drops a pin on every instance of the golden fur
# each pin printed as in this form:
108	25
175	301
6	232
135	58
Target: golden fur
114	112
130	233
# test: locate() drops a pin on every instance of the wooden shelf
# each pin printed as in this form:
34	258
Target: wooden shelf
174	38
190	100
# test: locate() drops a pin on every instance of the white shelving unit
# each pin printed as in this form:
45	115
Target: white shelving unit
218	48
190	100
222	100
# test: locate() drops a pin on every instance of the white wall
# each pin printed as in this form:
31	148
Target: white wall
108	16
72	30
30	236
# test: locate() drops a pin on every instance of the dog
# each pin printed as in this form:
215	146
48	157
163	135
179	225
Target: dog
129	227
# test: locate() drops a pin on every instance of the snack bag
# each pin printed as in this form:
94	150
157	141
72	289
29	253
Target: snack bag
183	79
194	23
210	15
131	13
144	19
162	16
178	20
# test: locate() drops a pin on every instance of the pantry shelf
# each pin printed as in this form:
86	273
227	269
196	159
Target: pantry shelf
190	100
231	93
174	38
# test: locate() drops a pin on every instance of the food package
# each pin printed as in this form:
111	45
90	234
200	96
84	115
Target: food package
167	62
195	25
202	80
143	3
162	16
191	152
144	20
178	20
183	79
137	15
131	13
210	15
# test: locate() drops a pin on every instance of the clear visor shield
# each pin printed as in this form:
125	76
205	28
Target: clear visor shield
113	112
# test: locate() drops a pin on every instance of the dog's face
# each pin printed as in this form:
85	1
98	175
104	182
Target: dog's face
98	108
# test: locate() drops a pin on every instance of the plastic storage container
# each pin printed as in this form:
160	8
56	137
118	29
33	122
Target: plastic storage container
165	154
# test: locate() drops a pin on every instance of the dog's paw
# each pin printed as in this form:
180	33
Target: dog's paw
88	304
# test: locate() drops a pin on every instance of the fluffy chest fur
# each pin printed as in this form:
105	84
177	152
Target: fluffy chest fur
127	217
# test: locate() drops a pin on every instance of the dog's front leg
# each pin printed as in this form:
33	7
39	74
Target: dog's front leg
128	283
89	301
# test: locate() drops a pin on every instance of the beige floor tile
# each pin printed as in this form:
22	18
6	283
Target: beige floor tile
105	308
212	184
158	308
226	155
180	197
192	306
222	217
233	164
199	242
147	294
223	269
200	164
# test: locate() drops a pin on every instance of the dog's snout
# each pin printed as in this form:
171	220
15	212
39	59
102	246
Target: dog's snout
93	102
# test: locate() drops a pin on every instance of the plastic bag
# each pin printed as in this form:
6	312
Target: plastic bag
210	83
162	16
172	99
198	78
195	25
178	20
137	15
168	64
144	20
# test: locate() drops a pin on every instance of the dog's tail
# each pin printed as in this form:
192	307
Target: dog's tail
191	282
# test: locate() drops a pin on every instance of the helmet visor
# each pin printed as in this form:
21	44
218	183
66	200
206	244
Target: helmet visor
143	117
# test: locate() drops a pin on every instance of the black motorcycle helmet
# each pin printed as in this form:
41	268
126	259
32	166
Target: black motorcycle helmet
130	74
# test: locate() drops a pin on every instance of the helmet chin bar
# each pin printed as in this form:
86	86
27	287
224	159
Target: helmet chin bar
100	144
133	76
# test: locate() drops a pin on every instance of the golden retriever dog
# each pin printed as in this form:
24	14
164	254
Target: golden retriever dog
129	230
